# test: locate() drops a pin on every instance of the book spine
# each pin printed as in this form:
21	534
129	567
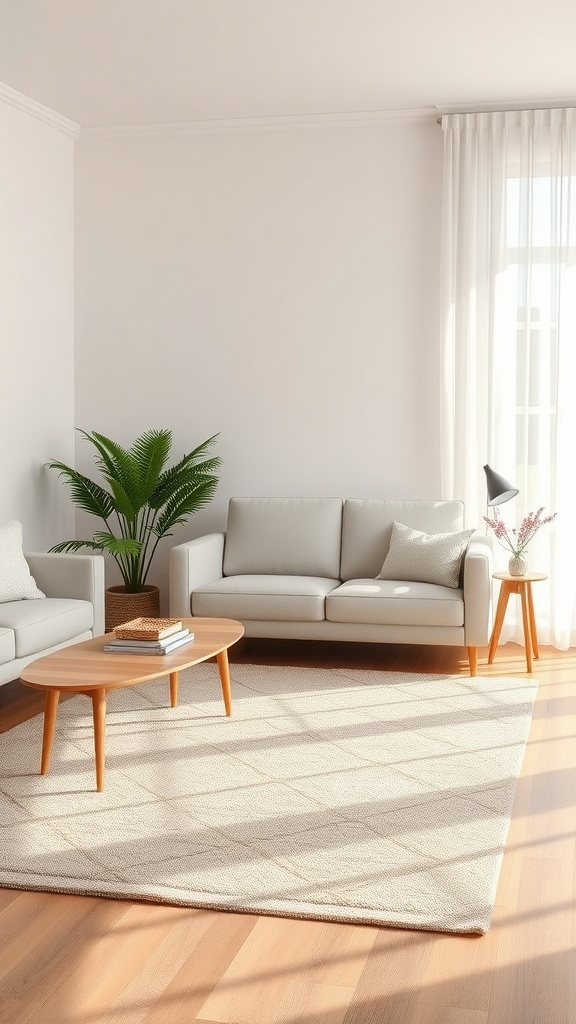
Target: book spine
134	650
151	647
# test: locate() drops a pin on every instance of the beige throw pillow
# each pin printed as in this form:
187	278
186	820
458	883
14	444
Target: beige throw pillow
16	581
425	557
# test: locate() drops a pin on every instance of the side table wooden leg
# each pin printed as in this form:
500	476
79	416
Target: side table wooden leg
224	670
499	620
99	718
174	689
526	624
50	709
533	630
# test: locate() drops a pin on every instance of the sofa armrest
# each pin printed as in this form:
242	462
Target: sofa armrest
191	565
478	591
80	577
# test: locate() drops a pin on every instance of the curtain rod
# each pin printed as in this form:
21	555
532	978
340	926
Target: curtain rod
567	105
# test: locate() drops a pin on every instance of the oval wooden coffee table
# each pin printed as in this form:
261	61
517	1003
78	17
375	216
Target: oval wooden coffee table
88	669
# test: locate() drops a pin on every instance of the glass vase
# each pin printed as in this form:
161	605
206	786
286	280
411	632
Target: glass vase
518	565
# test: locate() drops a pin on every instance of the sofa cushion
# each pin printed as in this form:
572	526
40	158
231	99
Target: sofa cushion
391	603
283	536
367	529
274	598
41	624
425	557
16	581
7	646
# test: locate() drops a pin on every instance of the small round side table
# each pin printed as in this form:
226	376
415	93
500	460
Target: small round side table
517	585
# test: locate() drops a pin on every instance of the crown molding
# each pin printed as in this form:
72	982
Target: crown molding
17	99
362	119
492	108
355	119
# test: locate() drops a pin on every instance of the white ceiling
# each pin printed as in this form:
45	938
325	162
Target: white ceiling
134	62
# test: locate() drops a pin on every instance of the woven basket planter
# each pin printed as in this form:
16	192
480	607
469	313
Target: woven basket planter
122	607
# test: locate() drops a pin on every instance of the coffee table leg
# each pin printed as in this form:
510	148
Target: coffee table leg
174	689
99	717
50	709
224	670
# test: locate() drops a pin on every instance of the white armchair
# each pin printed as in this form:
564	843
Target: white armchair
72	610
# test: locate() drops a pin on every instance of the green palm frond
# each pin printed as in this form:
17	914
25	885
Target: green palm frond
118	545
184	504
86	493
188	473
76	545
121	472
150	452
144	497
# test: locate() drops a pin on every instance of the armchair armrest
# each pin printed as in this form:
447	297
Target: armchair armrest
478	591
191	565
80	577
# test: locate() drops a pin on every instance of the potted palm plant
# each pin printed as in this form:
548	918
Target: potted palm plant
144	500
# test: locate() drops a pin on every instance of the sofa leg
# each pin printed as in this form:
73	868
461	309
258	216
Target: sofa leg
473	659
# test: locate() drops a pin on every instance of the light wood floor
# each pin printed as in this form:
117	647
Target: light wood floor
83	960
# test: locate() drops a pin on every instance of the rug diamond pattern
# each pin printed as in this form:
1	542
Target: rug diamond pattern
346	795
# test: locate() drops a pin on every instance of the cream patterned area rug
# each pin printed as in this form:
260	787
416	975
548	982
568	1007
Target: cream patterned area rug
346	795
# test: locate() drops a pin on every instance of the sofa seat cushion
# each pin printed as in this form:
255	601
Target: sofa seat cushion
395	603
38	625
7	646
274	598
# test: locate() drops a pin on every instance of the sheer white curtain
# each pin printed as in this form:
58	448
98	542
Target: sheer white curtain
508	336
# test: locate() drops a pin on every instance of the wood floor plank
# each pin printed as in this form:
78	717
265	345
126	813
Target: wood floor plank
274	953
535	962
457	980
340	953
49	952
7	896
388	989
202	969
45	920
107	965
307	1001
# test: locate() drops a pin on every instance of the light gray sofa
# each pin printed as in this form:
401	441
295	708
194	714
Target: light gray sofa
72	610
307	568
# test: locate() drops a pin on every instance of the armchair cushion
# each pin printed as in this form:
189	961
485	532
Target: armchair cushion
425	557
16	580
39	625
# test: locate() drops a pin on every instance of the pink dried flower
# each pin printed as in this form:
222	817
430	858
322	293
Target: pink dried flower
516	541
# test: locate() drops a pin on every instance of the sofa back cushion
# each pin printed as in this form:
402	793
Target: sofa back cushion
284	536
367	529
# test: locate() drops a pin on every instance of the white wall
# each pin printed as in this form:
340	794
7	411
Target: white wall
279	287
36	324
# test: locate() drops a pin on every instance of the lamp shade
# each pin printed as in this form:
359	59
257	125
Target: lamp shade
499	490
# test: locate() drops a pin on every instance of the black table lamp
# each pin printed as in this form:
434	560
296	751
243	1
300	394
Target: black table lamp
499	490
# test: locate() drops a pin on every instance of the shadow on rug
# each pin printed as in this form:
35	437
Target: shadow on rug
346	795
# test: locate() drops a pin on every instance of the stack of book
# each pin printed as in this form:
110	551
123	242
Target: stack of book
149	636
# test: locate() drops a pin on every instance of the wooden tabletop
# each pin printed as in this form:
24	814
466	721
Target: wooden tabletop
528	577
87	666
